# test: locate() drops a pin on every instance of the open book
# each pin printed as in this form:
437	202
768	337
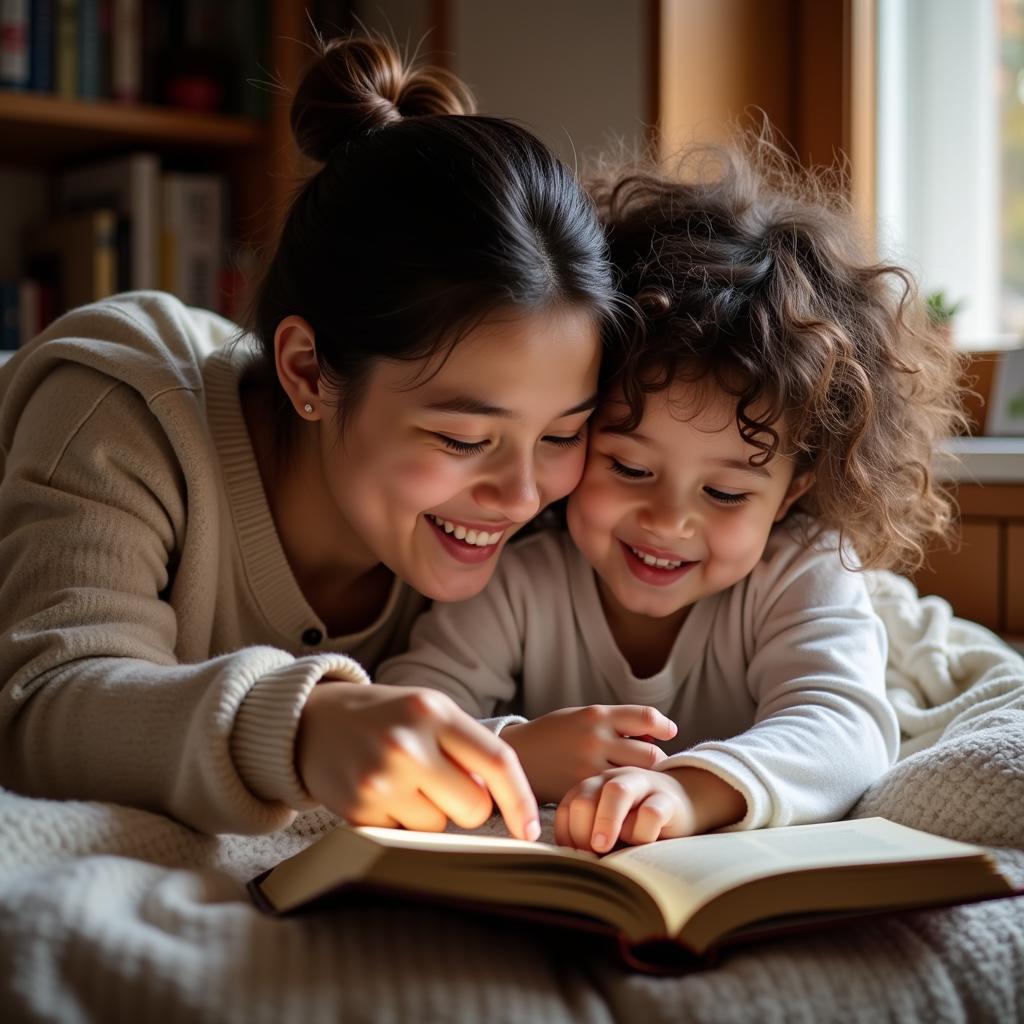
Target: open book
687	896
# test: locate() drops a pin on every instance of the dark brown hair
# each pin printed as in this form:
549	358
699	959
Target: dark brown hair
748	272
422	221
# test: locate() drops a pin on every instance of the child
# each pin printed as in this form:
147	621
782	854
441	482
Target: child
769	433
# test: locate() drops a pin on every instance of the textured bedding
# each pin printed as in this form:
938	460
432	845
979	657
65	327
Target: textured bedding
110	914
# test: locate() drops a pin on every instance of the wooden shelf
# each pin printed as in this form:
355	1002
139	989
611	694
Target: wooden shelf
38	128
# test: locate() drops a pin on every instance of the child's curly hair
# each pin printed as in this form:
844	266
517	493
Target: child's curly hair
747	270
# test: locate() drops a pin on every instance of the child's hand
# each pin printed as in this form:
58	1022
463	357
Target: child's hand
639	806
562	748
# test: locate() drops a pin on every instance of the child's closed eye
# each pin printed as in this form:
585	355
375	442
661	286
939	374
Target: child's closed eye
723	497
629	472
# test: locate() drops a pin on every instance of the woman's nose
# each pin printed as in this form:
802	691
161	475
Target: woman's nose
511	491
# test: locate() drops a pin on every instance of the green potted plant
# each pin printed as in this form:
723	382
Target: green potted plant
941	310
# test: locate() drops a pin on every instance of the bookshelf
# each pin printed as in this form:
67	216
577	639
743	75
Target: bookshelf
42	134
41	129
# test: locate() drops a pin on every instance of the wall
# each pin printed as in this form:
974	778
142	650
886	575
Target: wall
577	72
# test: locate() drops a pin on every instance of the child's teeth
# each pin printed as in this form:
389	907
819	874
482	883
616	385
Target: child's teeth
660	563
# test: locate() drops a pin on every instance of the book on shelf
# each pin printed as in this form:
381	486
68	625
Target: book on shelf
76	255
191	54
41	46
15	44
192	237
65	48
129	185
91	46
671	904
10	316
25	309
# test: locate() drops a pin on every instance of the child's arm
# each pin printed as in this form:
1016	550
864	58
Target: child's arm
823	729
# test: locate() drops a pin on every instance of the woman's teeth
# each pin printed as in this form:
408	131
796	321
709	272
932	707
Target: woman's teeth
478	538
661	563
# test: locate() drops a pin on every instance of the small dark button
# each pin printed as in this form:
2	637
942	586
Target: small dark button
312	637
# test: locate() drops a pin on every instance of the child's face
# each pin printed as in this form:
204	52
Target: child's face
680	490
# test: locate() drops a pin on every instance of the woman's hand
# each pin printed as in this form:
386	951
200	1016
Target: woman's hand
562	748
401	755
641	806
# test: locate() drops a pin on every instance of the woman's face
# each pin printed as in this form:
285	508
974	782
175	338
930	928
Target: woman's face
435	471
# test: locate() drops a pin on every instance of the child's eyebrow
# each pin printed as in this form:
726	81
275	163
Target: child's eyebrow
744	466
740	464
468	405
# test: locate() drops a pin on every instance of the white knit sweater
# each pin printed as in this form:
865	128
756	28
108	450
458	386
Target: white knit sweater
152	647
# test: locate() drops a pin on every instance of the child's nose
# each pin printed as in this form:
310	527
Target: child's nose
675	520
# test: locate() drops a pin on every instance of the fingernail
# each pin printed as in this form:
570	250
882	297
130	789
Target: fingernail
532	830
600	841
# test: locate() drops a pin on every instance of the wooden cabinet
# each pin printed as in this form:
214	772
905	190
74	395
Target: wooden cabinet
983	576
1015	579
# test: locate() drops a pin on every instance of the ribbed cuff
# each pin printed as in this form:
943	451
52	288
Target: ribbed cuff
263	737
497	724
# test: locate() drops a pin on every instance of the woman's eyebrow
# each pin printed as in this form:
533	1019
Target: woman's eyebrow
467	405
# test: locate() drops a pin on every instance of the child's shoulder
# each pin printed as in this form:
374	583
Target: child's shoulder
802	553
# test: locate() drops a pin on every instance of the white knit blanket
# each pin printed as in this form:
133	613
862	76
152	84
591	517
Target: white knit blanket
109	914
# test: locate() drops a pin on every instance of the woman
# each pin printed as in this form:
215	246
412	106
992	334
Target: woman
203	549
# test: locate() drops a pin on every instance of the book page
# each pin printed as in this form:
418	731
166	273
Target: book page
685	874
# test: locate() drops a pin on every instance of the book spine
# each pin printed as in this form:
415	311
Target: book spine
14	44
193	238
89	58
8	315
104	260
170	220
41	46
126	51
145	213
65	52
29	321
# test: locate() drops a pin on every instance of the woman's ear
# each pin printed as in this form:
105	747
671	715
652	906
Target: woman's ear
297	366
798	487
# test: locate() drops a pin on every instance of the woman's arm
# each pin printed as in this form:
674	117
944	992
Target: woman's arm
95	534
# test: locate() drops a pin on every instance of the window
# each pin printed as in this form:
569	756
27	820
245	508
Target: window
950	156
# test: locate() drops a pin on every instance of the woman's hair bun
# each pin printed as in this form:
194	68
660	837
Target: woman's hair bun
358	84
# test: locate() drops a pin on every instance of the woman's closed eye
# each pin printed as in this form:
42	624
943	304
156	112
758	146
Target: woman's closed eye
453	444
572	441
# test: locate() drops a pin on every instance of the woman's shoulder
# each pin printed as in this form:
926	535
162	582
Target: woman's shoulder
148	340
